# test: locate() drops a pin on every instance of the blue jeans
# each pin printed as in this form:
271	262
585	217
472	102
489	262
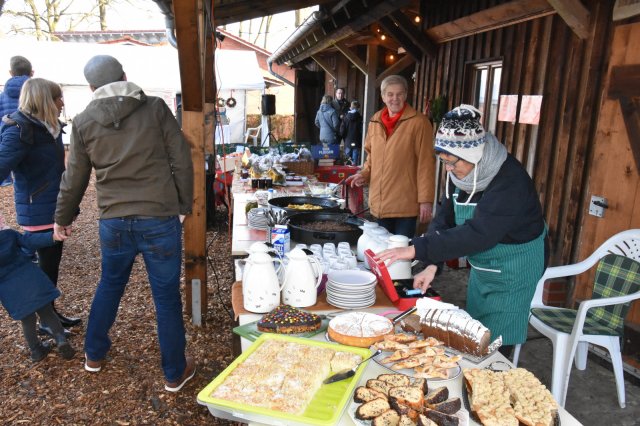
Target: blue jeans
354	154
400	225
159	240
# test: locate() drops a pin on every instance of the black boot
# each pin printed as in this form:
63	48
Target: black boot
40	352
45	330
65	349
68	321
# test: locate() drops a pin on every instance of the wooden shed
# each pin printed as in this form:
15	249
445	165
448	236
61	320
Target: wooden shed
558	82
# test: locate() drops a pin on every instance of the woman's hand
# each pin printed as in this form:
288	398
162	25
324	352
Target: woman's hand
423	279
400	253
355	180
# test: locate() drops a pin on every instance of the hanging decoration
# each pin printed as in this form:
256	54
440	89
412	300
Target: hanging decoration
221	102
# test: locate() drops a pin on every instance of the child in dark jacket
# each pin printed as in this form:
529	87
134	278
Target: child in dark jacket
26	291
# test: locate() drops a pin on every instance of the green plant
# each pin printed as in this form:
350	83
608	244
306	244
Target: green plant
438	107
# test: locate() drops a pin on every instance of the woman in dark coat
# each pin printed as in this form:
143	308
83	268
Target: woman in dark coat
26	291
31	146
491	214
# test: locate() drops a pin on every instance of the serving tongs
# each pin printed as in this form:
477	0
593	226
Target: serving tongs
349	373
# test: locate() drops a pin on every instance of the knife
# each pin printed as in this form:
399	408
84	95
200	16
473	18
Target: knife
409	311
349	373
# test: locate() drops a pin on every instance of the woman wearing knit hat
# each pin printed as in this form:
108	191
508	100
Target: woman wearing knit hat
491	214
399	167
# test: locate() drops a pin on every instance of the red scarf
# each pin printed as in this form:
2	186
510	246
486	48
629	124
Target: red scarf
390	122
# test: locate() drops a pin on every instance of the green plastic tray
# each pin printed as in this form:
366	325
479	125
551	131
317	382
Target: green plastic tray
325	408
250	331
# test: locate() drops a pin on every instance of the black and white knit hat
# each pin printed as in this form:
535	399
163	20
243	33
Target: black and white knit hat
461	134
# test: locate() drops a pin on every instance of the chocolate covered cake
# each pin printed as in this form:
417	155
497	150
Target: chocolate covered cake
286	319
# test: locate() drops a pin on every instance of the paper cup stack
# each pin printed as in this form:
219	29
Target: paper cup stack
351	289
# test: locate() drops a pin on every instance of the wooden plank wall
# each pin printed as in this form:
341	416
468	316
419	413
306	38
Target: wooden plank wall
540	57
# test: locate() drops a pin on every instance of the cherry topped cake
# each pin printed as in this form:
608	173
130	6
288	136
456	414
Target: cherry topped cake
286	319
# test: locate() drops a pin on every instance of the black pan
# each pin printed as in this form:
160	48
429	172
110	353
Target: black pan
283	202
300	234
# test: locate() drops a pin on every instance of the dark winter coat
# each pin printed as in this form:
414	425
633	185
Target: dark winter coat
329	124
37	161
508	211
351	129
24	288
9	98
341	107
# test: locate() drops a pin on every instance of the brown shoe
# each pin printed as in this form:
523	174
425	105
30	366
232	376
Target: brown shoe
92	366
189	372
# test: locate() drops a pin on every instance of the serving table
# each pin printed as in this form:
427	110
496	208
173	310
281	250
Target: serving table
372	370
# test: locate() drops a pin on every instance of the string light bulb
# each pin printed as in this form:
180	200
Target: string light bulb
417	19
383	37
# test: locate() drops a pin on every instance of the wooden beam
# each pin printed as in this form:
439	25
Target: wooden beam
396	68
187	35
228	12
301	51
490	19
369	104
325	66
192	55
352	57
575	15
424	43
390	28
624	81
631	114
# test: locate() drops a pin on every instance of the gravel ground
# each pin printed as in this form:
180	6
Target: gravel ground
130	389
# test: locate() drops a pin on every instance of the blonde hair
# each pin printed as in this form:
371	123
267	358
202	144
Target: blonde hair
326	99
37	98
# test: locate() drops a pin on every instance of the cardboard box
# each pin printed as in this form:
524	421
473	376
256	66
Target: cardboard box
395	289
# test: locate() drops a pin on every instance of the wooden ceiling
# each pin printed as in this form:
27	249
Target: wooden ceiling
230	11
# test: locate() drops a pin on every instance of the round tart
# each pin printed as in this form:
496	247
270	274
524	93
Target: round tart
286	319
360	329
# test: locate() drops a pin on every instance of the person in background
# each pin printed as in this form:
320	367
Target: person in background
144	188
491	213
26	292
340	103
400	167
31	146
327	121
20	70
351	131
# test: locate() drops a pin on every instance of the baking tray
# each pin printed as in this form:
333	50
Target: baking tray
250	331
325	408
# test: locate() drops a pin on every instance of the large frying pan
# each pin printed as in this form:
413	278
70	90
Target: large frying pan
300	234
283	202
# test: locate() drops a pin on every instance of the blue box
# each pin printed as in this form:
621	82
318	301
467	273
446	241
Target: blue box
325	151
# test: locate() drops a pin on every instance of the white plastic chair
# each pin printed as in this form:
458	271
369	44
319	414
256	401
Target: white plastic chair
253	133
566	345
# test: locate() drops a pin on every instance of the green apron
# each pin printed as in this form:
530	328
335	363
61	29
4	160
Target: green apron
502	282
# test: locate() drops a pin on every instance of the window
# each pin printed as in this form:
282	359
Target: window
486	92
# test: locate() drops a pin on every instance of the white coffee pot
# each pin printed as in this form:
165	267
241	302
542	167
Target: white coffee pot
302	279
260	283
365	241
400	269
260	247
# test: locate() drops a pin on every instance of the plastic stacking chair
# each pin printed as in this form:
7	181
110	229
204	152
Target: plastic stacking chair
599	321
253	133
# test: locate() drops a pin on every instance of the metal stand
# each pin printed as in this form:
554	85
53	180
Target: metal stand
269	137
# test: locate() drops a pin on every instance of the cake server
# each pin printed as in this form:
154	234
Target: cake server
349	373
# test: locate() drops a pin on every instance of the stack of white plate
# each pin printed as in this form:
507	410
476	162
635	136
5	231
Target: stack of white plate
351	289
256	218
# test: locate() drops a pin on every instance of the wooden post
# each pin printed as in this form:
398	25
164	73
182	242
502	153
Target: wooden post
189	31
369	107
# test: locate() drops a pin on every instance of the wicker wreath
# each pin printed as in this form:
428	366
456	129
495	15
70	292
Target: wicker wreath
221	102
231	102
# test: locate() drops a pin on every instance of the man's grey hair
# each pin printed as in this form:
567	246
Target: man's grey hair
394	79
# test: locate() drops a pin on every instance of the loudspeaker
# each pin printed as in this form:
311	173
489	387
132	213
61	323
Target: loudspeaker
268	104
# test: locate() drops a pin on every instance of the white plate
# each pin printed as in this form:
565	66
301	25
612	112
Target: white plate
347	298
453	372
342	306
352	277
462	414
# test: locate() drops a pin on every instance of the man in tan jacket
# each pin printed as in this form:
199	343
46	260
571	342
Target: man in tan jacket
400	164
